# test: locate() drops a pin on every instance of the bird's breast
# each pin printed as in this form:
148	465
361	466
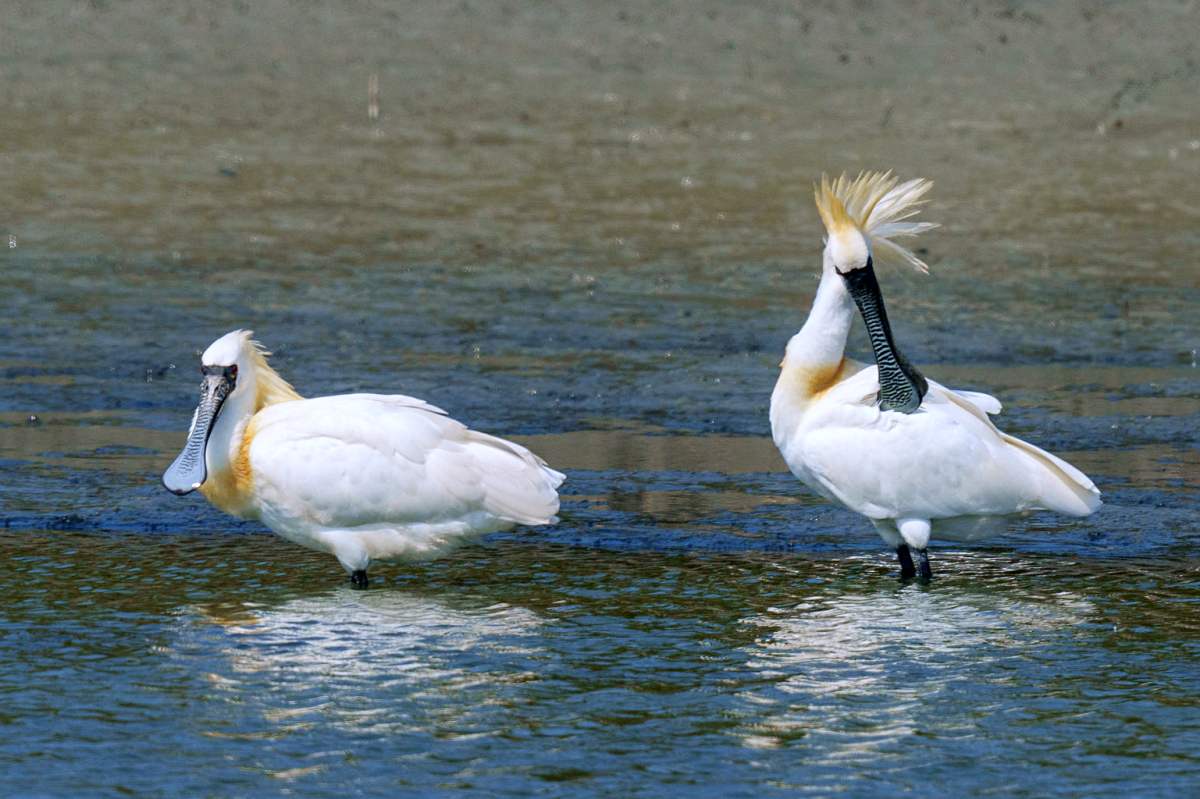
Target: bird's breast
230	486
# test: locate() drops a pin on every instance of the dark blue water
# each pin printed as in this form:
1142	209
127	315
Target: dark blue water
696	622
191	664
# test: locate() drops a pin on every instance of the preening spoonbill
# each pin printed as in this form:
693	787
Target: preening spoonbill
361	476
914	457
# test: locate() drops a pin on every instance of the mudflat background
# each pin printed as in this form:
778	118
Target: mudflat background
612	135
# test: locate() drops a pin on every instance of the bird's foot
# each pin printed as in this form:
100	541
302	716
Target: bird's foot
907	570
924	572
358	579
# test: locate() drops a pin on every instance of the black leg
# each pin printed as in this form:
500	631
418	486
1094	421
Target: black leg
359	579
923	565
907	572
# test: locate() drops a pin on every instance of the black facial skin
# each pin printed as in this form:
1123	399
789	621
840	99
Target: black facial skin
229	372
189	470
901	386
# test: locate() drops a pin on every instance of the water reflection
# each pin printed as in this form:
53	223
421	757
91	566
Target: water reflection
385	639
537	660
862	672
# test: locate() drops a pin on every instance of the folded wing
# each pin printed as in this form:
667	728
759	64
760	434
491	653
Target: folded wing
368	459
945	460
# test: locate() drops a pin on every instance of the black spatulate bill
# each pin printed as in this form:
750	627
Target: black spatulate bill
901	386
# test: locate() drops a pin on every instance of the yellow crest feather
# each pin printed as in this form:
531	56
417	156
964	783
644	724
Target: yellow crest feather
831	208
271	387
876	204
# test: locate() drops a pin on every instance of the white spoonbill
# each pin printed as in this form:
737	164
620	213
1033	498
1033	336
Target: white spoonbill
914	457
361	476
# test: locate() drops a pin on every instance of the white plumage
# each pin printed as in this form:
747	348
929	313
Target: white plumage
362	476
947	461
943	469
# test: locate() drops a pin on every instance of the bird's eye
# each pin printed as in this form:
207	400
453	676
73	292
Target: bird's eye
233	370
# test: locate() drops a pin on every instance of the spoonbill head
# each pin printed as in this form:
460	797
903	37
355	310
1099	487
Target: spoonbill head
846	247
235	372
362	476
916	458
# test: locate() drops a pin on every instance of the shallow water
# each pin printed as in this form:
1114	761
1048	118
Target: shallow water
193	660
592	231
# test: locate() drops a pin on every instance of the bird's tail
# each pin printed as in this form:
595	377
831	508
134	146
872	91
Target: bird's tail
519	487
1063	488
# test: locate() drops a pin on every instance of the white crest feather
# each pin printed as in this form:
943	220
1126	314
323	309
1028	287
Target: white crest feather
878	204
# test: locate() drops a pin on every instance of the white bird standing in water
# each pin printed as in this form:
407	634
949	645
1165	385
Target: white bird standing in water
914	457
361	476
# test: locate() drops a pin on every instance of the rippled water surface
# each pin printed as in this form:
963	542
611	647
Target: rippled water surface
589	228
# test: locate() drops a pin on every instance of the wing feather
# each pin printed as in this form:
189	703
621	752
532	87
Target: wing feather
361	459
948	459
